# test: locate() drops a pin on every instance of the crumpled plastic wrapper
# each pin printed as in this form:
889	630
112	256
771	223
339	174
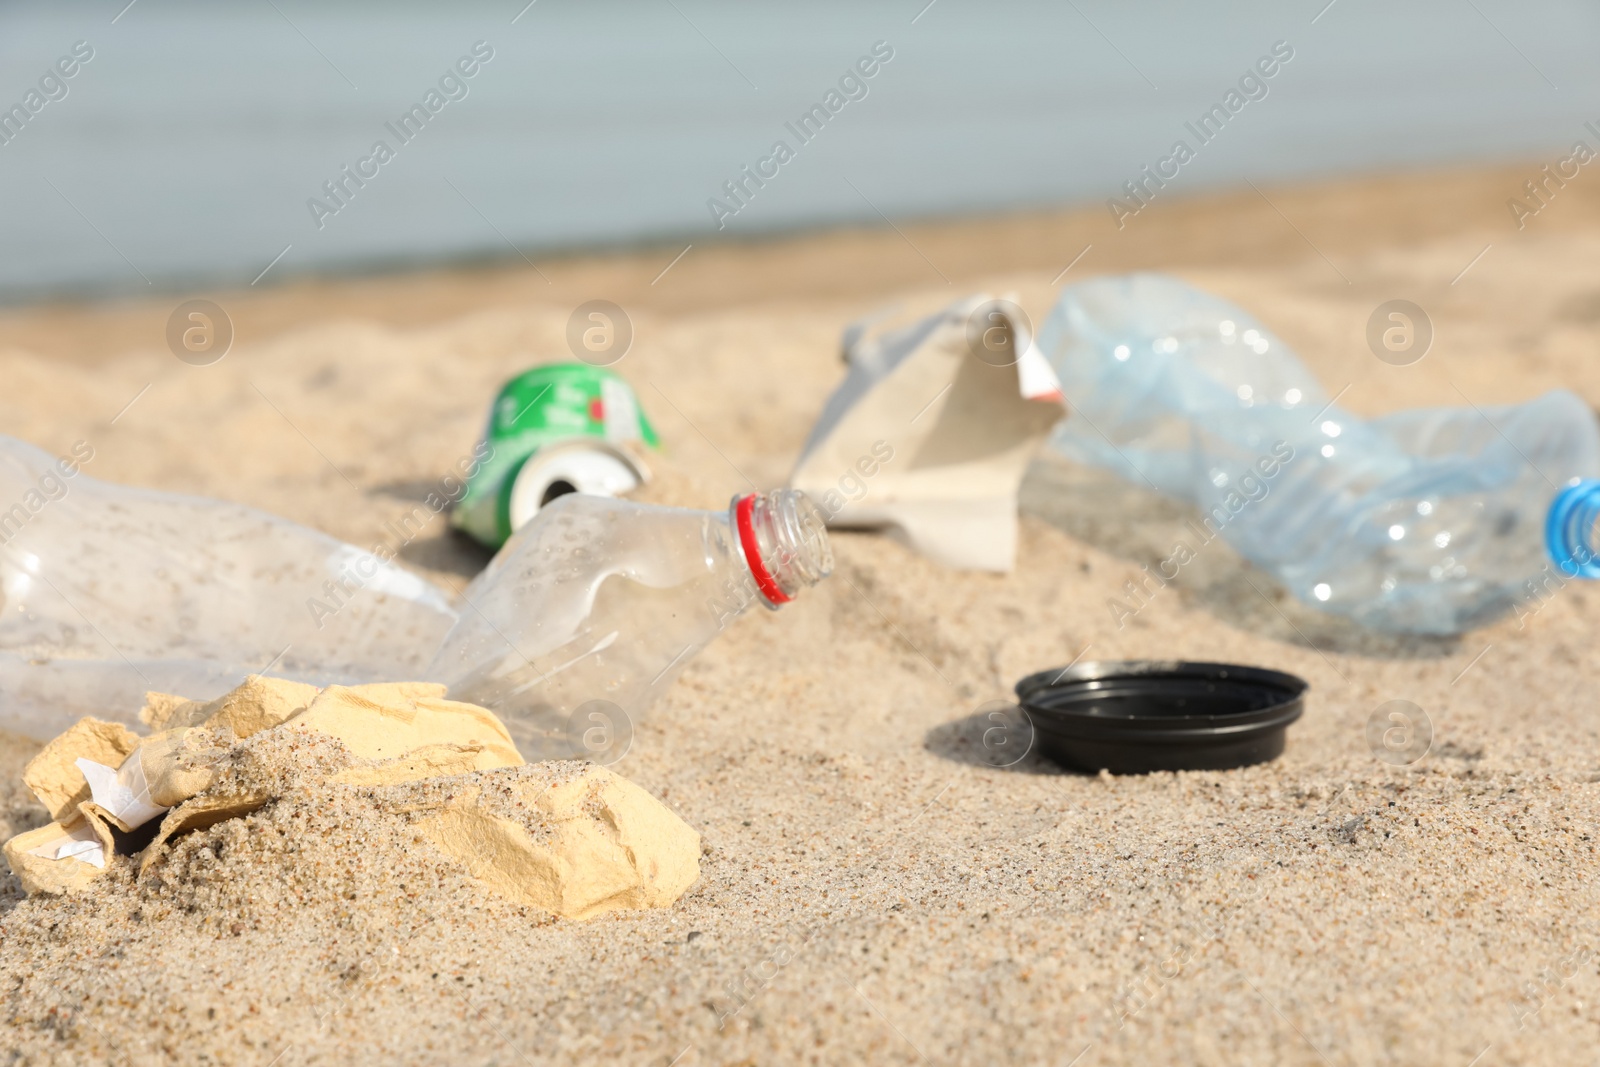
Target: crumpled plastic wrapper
579	846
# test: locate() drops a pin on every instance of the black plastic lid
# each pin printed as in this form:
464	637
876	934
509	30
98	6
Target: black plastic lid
1132	716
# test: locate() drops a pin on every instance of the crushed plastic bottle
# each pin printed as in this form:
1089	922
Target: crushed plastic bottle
108	591
596	606
1429	521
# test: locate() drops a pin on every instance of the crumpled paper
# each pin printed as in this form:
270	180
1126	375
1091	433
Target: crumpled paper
98	773
397	731
408	731
58	859
53	775
579	848
121	792
181	762
258	704
576	844
929	434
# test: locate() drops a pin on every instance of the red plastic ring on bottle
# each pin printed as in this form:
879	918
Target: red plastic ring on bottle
743	512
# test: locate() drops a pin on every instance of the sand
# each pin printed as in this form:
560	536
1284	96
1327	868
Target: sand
872	890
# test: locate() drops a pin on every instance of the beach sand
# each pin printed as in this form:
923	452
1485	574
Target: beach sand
871	890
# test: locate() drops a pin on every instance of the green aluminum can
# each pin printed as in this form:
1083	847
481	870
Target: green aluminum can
558	428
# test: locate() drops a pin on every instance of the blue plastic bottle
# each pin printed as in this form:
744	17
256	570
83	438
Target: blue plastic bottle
1429	521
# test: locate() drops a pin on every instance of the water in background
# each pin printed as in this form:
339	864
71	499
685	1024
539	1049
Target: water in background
185	152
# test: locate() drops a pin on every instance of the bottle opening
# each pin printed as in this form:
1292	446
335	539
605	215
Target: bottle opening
1569	530
581	466
559	487
785	542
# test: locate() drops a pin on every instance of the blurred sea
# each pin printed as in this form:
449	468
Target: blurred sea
184	153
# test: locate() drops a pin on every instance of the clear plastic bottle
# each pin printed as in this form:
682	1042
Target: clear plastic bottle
1429	521
107	591
599	603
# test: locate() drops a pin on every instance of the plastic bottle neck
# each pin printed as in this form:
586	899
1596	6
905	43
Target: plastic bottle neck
784	541
1569	529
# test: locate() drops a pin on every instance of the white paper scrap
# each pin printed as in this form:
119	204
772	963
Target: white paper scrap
78	843
87	851
123	792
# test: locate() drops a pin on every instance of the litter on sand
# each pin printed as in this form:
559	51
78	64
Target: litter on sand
929	434
573	839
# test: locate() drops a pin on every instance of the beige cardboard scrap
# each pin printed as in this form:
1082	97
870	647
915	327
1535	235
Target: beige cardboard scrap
197	814
604	844
162	711
927	441
95	816
383	723
32	857
102	821
429	761
591	844
53	774
258	704
181	762
401	731
399	692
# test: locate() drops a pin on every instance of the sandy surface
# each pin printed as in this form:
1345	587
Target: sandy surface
871	890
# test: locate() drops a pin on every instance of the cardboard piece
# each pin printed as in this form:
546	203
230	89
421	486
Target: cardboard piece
583	847
53	774
387	722
182	762
399	692
197	814
929	434
589	843
96	819
260	704
56	858
165	711
180	759
429	761
400	731
257	704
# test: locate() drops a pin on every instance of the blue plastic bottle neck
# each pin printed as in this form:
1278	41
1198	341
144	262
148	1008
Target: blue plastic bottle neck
1569	529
